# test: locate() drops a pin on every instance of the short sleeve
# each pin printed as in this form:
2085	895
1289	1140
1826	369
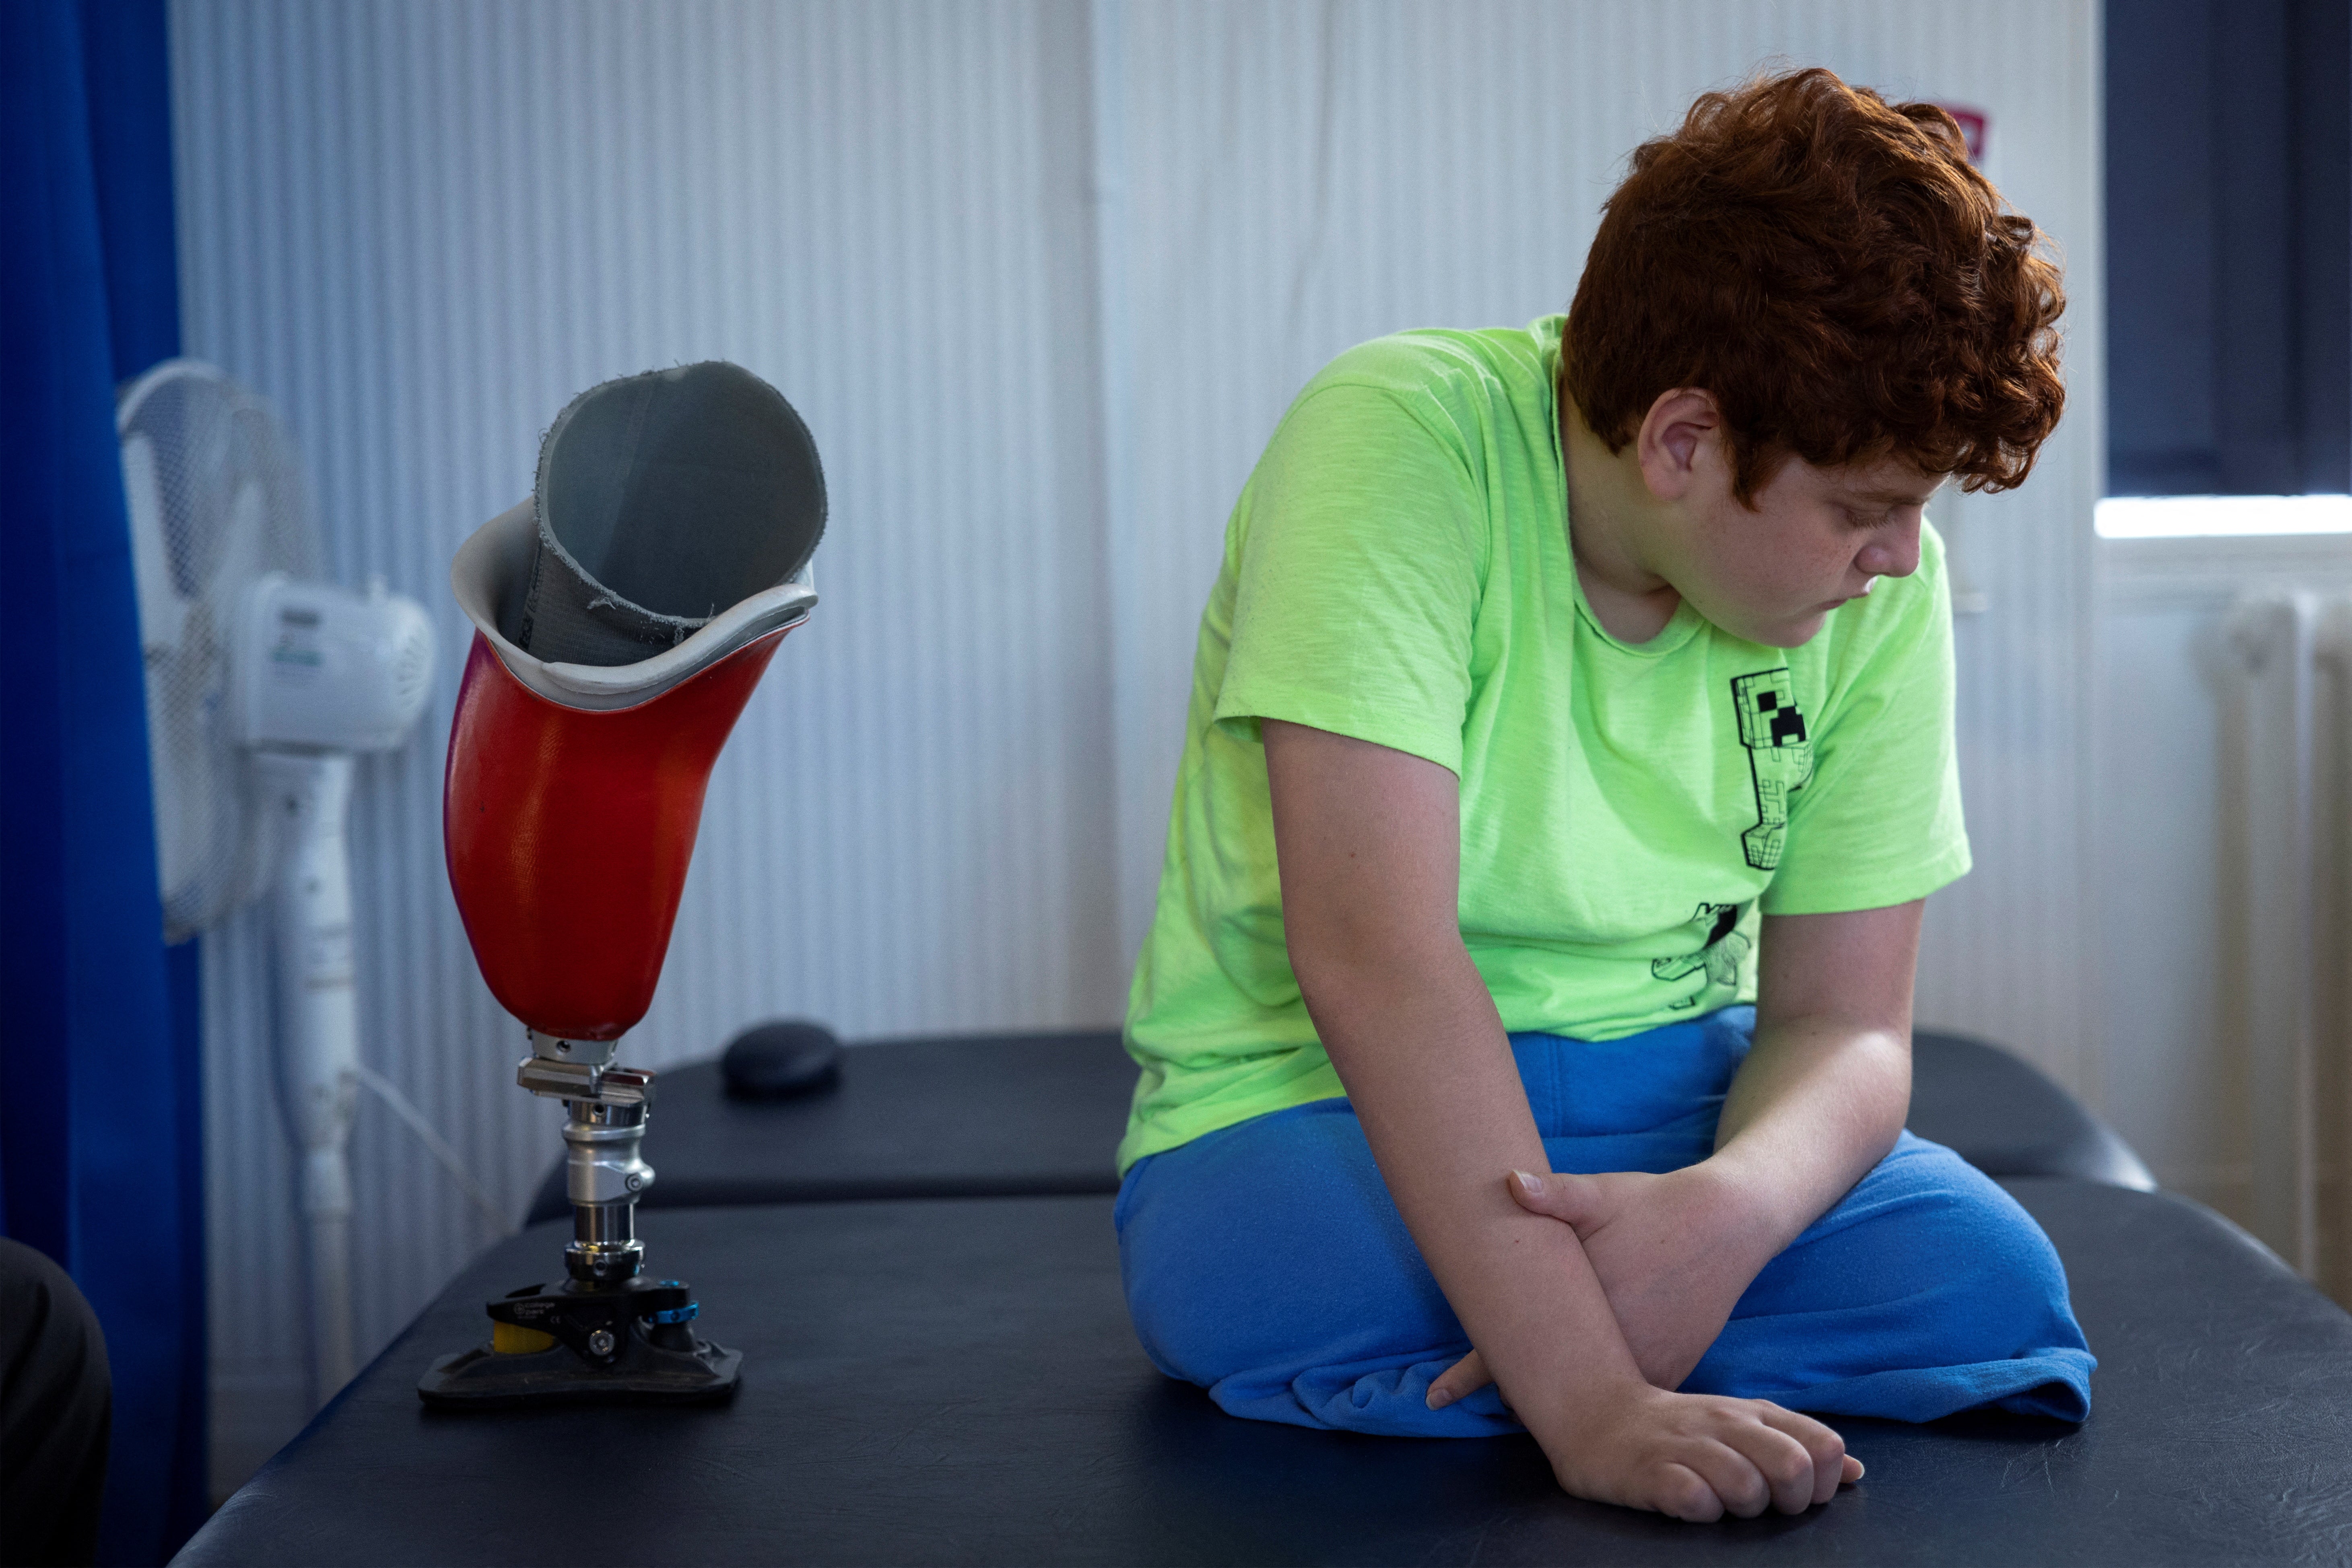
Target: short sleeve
1880	821
1358	579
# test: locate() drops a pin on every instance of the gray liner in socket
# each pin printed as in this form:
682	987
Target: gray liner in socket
664	499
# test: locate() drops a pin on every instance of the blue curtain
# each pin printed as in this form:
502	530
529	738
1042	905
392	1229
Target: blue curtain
99	1120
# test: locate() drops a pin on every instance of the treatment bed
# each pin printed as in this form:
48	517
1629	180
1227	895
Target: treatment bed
950	1377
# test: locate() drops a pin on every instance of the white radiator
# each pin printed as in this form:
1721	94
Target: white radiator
2292	938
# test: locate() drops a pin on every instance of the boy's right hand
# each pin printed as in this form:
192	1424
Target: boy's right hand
1696	1457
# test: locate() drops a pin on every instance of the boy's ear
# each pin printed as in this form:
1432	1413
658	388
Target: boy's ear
1678	438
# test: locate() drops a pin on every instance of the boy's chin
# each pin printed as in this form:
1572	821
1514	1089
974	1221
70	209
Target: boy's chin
1785	631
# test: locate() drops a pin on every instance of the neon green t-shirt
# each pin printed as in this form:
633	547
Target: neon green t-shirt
1398	569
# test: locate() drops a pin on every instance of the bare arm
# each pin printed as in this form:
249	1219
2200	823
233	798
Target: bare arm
1824	1090
1368	841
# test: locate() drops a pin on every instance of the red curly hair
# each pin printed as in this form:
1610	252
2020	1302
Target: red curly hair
1837	273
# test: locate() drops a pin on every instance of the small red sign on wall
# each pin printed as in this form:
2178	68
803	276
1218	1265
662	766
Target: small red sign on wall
1972	128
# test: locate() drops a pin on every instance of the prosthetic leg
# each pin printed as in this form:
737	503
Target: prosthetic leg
574	787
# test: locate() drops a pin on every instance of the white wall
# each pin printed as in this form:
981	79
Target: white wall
1041	274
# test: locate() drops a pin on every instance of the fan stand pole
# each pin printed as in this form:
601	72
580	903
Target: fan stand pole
307	795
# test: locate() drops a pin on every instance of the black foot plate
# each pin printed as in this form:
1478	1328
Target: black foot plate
481	1377
626	1344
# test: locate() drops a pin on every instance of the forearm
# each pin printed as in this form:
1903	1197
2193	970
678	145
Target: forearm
1823	1092
1818	1102
1429	1070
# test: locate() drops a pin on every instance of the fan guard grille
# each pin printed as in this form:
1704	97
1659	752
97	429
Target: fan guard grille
217	499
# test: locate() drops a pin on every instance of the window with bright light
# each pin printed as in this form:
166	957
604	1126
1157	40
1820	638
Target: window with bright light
2187	516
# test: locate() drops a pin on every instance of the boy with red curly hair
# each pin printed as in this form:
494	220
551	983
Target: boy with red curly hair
1526	1019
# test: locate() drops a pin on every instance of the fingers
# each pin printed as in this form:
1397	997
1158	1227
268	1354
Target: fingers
1699	1456
1730	1475
1465	1376
1561	1197
1762	1457
1787	1467
1825	1450
1684	1495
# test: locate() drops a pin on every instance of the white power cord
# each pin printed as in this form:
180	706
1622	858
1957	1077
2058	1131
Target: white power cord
401	1106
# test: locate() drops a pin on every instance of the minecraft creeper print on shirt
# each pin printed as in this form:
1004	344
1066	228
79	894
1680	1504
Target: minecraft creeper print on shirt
1720	957
1780	755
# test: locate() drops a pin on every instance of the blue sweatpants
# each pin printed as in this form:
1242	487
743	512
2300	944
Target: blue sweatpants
1266	1262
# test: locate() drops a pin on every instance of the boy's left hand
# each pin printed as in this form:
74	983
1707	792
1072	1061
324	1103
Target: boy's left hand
1673	1252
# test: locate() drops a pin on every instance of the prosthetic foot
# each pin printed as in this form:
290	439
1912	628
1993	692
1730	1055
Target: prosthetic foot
606	1331
604	680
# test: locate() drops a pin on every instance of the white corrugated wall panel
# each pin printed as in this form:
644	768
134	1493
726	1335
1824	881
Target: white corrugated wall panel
1293	179
1041	274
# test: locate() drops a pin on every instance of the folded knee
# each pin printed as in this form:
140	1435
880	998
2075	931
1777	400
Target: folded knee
1960	1235
1928	1238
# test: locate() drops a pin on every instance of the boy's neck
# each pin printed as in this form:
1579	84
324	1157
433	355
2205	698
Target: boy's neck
1609	508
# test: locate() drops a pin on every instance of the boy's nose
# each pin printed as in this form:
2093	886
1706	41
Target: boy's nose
1892	551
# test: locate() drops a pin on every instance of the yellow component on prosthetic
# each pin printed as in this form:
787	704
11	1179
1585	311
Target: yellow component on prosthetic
513	1339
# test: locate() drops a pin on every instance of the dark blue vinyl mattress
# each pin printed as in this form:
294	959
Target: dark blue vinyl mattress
955	1381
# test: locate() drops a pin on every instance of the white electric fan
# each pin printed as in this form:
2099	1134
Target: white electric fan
262	683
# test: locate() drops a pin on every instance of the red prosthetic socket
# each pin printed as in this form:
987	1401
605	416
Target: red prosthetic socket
569	833
573	793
